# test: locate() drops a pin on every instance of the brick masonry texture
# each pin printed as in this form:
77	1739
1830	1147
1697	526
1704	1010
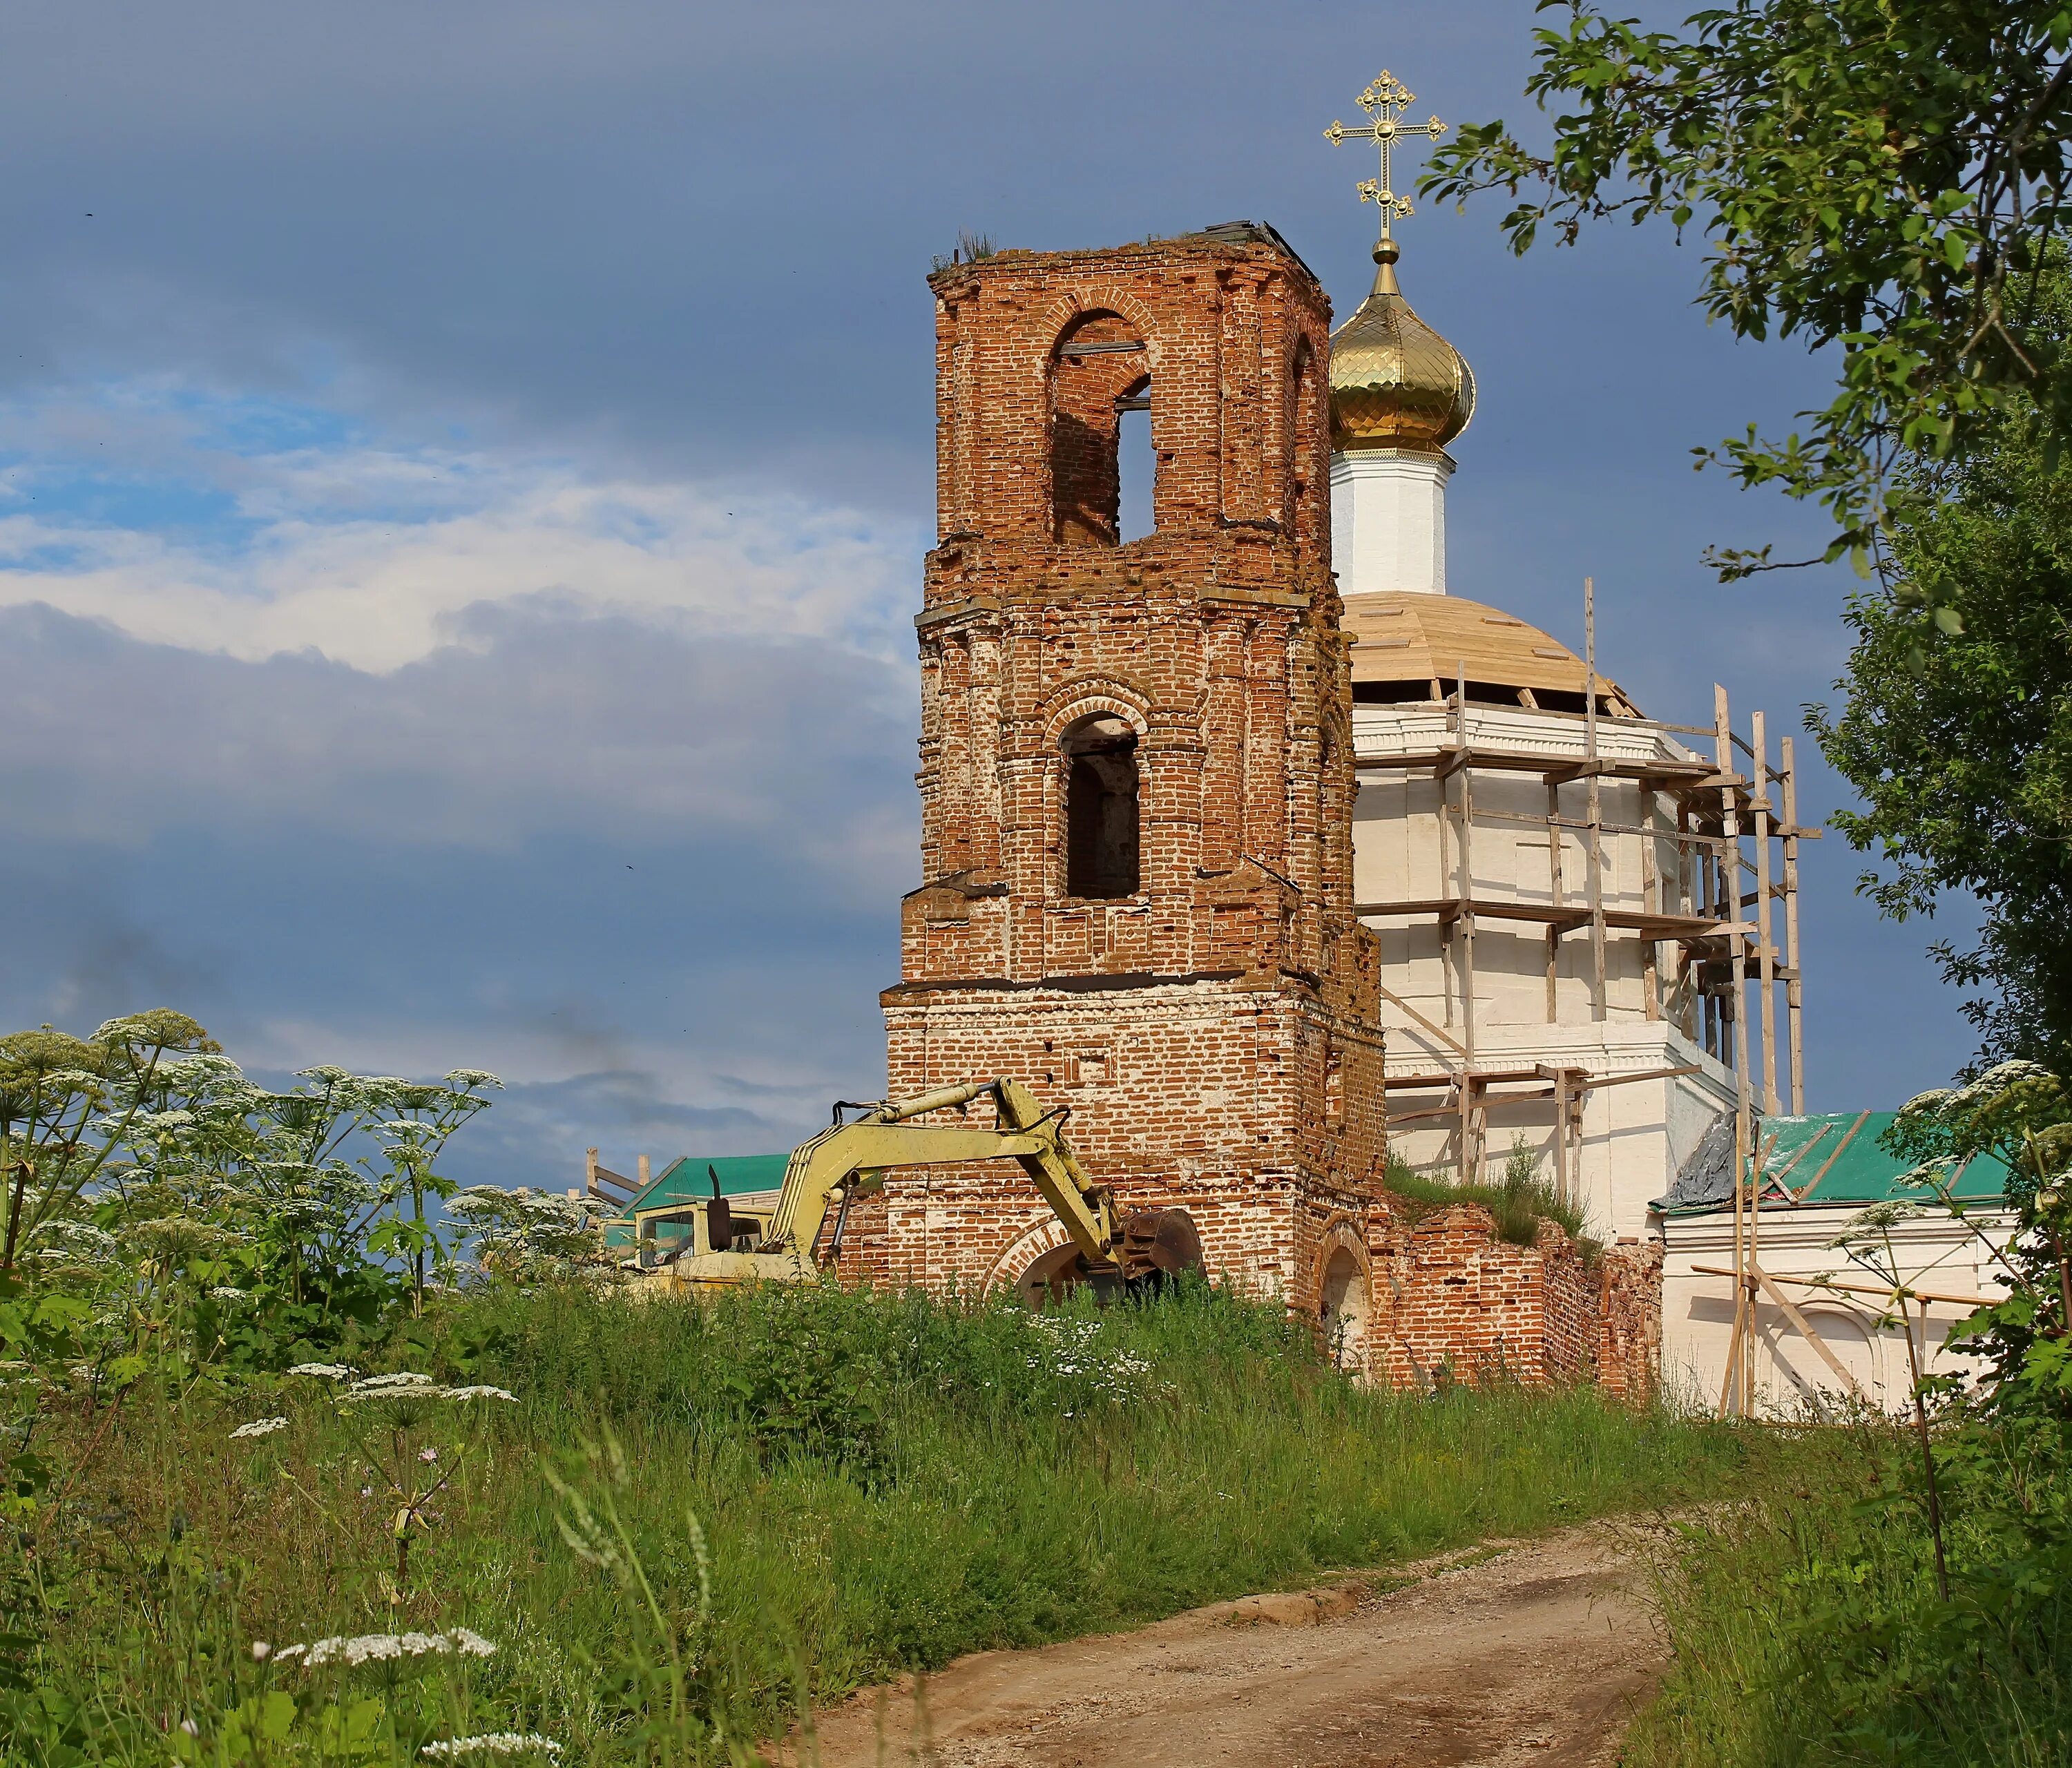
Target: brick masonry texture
1453	1302
1214	1035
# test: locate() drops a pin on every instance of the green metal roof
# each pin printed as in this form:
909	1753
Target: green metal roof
685	1180
1830	1157
1862	1172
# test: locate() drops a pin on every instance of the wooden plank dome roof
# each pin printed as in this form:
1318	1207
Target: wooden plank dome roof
1410	647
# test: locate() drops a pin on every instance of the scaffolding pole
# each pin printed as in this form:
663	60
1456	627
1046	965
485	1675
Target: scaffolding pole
1593	859
1739	1363
1794	996
1766	955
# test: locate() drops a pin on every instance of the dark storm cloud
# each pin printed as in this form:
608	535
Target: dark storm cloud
537	721
666	867
682	247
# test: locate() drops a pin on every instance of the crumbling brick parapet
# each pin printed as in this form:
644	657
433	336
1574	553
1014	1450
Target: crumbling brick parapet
1452	1295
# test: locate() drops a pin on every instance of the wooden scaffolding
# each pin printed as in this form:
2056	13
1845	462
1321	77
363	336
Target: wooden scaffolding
1718	823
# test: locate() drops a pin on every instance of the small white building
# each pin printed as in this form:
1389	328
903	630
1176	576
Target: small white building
1826	1325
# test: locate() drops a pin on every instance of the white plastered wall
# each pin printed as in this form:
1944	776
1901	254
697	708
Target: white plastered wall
1388	520
1698	1308
1635	1136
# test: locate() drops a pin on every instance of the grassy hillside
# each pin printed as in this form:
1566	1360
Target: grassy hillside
686	1520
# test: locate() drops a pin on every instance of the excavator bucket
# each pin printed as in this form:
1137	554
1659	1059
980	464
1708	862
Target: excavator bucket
1157	1245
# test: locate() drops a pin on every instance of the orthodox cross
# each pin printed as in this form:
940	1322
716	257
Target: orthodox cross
1384	101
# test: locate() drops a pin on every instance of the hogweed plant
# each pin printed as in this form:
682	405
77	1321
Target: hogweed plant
202	1224
166	1218
393	1418
315	1702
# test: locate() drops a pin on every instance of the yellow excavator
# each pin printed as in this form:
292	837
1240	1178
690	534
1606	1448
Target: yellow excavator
847	1161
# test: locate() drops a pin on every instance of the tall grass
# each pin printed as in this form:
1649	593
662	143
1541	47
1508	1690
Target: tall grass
878	1483
1808	1629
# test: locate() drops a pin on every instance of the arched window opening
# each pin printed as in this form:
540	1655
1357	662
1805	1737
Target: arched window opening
1100	808
1137	466
1343	1310
1097	380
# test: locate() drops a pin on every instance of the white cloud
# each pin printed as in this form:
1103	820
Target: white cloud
407	756
435	644
369	555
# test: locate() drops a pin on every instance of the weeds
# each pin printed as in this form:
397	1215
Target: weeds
1809	1629
1520	1204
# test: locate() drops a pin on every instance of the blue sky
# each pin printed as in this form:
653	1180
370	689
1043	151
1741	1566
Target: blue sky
463	471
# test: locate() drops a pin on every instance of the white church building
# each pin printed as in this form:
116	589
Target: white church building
1541	869
1576	905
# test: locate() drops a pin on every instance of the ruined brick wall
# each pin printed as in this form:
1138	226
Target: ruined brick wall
1214	1034
1451	1297
1629	1321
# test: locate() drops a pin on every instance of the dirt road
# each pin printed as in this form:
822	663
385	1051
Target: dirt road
1536	1652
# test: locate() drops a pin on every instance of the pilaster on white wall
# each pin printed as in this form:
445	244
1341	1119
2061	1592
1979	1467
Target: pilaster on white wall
1388	520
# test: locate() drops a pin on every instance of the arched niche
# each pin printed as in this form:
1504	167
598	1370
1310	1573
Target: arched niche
1102	812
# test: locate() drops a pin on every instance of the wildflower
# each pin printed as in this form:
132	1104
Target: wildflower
493	1743
260	1427
191	1728
388	1647
323	1372
261	1650
403	1381
81	1240
478	1393
224	1293
428	1454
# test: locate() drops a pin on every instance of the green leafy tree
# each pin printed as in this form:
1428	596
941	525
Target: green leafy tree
1882	176
2020	1114
1959	742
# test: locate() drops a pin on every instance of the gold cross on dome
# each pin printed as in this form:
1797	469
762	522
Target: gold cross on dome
1384	101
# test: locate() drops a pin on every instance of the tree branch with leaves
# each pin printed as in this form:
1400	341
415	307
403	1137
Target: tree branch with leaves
1885	177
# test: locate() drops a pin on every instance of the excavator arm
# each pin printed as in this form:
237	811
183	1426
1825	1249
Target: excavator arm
849	1161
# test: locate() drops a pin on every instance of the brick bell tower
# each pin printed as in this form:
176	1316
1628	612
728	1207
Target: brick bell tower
1136	773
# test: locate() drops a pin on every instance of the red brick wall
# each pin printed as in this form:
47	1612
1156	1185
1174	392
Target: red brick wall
1450	1296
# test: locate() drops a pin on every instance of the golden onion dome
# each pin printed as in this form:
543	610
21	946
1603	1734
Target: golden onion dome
1395	383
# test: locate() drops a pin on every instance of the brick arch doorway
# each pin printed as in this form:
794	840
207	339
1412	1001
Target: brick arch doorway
1044	1263
1037	1253
1344	1311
